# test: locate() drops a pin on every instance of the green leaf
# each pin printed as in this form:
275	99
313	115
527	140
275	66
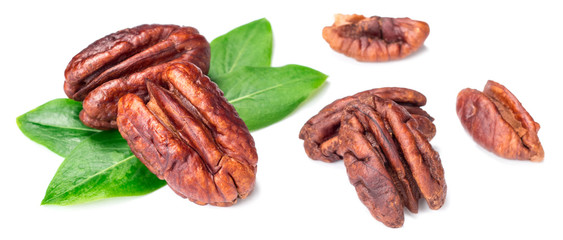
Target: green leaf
264	95
55	125
247	45
101	166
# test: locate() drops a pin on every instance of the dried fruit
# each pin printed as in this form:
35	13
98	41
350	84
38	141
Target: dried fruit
321	131
387	157
190	136
375	39
498	122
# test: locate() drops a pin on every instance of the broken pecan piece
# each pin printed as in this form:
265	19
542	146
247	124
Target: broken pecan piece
190	136
321	131
499	123
375	39
131	50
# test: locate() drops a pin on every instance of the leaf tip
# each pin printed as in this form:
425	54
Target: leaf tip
19	121
263	20
46	201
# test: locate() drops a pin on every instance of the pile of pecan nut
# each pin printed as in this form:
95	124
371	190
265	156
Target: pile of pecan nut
383	137
149	82
494	118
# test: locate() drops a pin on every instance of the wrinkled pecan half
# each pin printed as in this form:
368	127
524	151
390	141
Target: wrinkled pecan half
131	50
498	122
190	136
388	160
100	106
375	39
321	131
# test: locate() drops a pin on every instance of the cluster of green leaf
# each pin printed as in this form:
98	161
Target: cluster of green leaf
99	164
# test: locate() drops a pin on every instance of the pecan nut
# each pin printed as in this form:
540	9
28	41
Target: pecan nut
385	148
388	160
99	109
132	50
499	123
118	64
320	133
190	136
375	39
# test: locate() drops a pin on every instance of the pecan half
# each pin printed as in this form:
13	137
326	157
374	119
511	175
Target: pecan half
190	136
131	50
389	162
498	122
321	131
99	109
375	39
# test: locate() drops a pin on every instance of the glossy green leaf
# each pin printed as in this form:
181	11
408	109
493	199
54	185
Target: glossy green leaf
55	125
264	95
247	45
101	166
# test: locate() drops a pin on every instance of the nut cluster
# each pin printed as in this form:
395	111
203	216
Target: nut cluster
385	147
149	82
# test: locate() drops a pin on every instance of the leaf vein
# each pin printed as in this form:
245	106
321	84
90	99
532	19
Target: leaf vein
92	176
250	95
239	53
255	93
64	127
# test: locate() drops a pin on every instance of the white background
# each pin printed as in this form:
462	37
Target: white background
518	45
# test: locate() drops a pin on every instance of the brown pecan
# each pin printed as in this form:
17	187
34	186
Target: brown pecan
321	131
100	106
388	158
389	162
375	39
120	62
132	50
190	136
498	122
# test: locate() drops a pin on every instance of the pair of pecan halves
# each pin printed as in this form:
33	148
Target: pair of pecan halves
498	122
149	82
321	131
385	149
190	136
119	63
